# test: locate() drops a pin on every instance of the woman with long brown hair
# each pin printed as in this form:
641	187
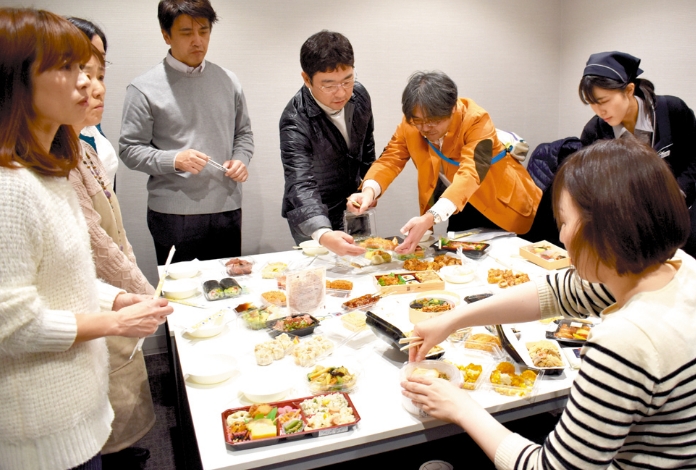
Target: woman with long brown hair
54	410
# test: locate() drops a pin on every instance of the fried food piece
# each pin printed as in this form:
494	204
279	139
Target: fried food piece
482	342
506	277
339	284
506	368
544	354
426	276
416	265
379	243
275	297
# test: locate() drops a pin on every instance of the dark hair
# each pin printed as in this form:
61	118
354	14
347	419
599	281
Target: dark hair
643	88
97	53
89	28
433	92
169	10
33	42
632	213
325	51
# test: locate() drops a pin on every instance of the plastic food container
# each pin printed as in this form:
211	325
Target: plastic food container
513	380
255	318
364	303
306	290
354	321
334	376
360	226
453	374
238	266
278	326
474	370
572	331
459	336
484	344
473	250
277	298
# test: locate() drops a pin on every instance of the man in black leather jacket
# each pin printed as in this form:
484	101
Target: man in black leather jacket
326	143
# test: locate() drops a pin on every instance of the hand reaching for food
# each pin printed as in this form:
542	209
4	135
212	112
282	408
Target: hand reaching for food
340	243
433	332
414	229
358	203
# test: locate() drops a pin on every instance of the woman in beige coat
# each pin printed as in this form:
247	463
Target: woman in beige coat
129	390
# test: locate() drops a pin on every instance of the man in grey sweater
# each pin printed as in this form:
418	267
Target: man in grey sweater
186	124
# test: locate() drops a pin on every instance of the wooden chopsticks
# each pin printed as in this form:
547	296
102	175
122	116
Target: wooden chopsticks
417	341
412	341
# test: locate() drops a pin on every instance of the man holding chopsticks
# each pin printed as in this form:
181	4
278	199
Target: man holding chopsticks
186	124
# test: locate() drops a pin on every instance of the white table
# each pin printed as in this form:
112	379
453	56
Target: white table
385	424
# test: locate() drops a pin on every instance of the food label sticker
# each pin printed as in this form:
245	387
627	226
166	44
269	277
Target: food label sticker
577	324
329	432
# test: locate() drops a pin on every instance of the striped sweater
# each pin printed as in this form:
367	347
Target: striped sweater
633	403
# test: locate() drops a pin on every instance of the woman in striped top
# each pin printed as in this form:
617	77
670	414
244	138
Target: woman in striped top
632	403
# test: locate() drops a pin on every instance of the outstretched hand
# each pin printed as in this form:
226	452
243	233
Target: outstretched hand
414	231
358	203
340	243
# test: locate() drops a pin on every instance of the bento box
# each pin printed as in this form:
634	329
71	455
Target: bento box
415	281
267	424
545	254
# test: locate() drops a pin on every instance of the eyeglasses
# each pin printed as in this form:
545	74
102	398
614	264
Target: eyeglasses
344	84
107	64
433	121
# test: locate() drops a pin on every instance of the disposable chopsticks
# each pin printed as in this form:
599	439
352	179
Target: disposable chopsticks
217	165
158	292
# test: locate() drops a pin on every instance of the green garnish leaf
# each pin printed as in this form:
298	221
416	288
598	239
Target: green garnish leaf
272	414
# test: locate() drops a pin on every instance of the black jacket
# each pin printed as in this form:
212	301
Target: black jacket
320	170
674	134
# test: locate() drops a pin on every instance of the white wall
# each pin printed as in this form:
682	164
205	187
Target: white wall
503	53
661	34
520	60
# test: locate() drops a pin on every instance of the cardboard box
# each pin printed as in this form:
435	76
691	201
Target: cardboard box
545	254
413	284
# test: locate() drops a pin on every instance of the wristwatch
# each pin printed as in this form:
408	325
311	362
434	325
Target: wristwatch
436	217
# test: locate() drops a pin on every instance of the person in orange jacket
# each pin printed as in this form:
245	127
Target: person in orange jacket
465	174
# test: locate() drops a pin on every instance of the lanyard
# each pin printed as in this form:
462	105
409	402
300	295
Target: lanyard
449	160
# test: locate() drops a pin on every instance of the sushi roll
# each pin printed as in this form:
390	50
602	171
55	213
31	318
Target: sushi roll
213	290
230	287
